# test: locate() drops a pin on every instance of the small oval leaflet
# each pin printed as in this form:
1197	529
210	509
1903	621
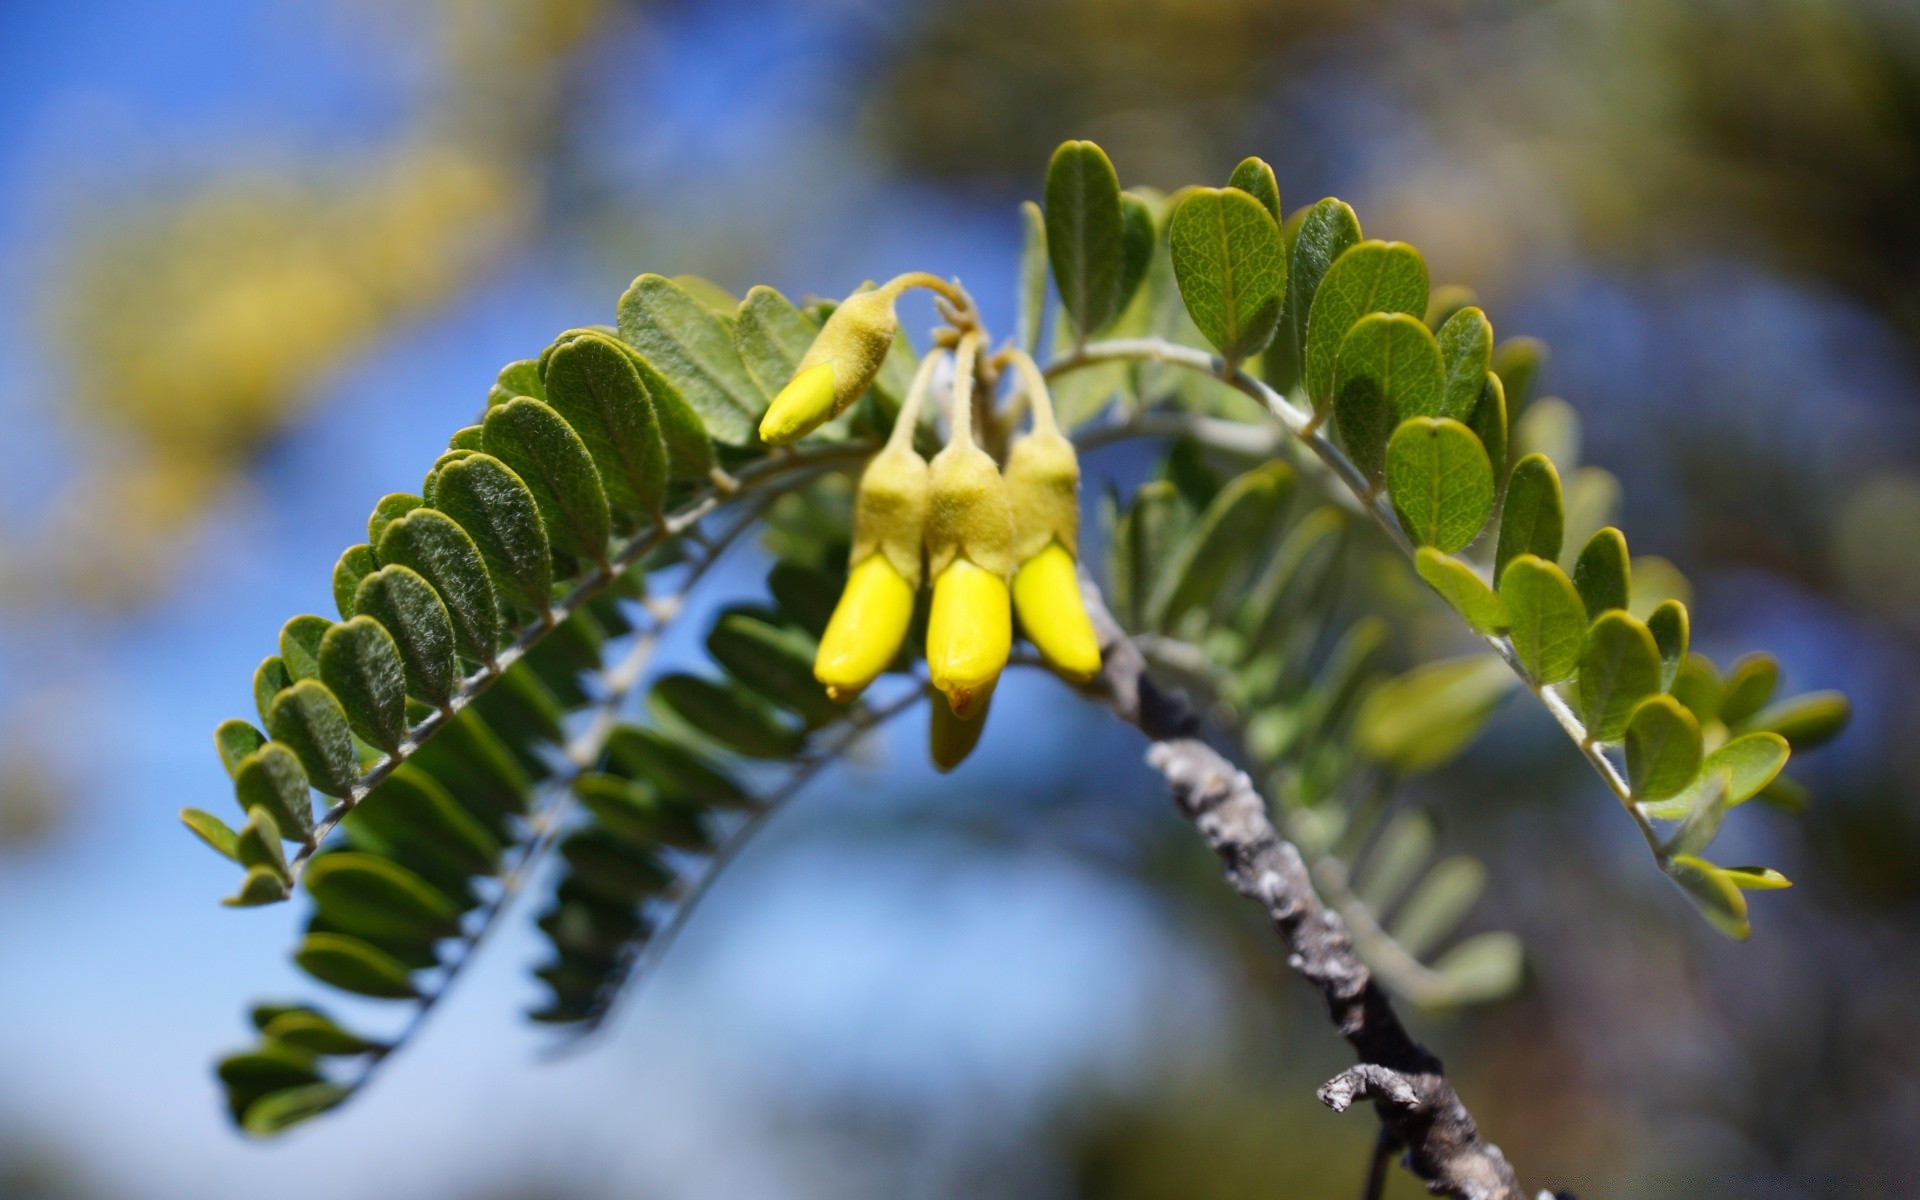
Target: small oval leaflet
1440	482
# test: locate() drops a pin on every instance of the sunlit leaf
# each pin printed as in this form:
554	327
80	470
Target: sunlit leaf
1466	348
1546	620
354	966
1231	267
414	615
307	719
549	457
1462	587
1619	667
1368	277
1662	747
1601	575
1086	240
692	349
1440	482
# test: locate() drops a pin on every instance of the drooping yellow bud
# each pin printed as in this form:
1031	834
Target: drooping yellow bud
866	630
969	635
951	739
841	364
889	526
1046	594
1043	482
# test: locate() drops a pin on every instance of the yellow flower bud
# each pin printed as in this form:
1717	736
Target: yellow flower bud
889	526
805	403
969	635
951	739
866	630
1043	483
1046	594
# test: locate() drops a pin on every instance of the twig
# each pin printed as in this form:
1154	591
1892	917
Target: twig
1383	1148
1407	1083
1308	428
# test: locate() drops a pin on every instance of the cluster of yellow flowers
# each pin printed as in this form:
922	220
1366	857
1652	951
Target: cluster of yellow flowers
995	542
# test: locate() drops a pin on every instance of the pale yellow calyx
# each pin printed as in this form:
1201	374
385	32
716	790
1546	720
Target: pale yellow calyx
866	630
969	634
1043	473
951	739
1046	596
970	515
802	406
890	510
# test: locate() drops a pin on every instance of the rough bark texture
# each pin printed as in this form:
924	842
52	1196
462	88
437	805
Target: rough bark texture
1417	1105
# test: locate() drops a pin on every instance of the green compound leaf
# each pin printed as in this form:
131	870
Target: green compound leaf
1466	350
1602	573
1254	177
1369	277
1531	518
414	615
235	739
300	646
1460	586
376	898
1033	277
549	457
435	547
727	714
770	335
1325	232
1207	555
354	966
1751	682
1086	236
1388	370
1619	667
775	661
360	664
1545	618
1806	721
1426	717
308	720
1440	482
1670	628
692	349
272	778
1518	362
213	831
1231	267
593	384
1663	748
1715	894
500	514
356	564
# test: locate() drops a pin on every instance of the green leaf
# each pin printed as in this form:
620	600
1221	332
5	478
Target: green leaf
613	868
300	646
1142	237
1325	232
1254	177
806	594
1669	625
390	508
1231	267
272	778
213	831
398	598
1750	762
1368	277
1440	482
549	457
771	335
593	384
442	553
262	885
310	722
284	1109
1518	362
776	662
1698	686
257	845
377	898
1487	966
1755	879
355	564
1388	370
235	740
263	1071
1219	542
360	664
518	378
268	680
314	1032
1423	719
1619	667
1546	620
640	813
1396	859
729	715
1750	684
1032	298
1299	569
638	752
1713	893
1663	748
1466	349
1531	519
1462	587
412	818
1086	238
693	350
500	514
1489	424
1438	905
1602	573
467	437
1806	721
354	966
